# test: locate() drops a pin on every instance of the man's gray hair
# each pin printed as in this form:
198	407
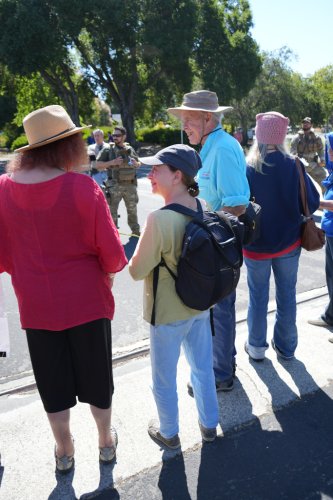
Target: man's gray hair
217	117
98	131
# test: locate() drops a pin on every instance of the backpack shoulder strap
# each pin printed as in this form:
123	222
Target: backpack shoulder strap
156	273
155	283
302	187
176	207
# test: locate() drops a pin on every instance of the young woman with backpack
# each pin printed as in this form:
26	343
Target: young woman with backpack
172	177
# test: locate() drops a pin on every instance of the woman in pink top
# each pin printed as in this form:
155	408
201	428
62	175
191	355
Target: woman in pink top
62	249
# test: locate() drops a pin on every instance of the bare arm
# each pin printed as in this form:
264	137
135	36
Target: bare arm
326	205
102	165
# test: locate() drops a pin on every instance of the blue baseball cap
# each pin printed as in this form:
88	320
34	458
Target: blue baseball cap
179	156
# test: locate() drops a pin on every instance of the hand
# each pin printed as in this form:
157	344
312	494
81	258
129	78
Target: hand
117	162
237	211
135	163
111	276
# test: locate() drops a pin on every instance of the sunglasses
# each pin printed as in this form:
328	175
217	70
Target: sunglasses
117	135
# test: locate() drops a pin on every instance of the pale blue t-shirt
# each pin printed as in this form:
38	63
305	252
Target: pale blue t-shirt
222	178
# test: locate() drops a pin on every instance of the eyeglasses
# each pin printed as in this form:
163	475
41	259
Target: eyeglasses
117	135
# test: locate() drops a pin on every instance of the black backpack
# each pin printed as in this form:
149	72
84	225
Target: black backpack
209	266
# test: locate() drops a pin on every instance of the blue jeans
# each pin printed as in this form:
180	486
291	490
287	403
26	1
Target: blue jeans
165	342
100	177
285	270
224	350
328	314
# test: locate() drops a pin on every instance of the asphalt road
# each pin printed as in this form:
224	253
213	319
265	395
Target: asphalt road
286	454
128	326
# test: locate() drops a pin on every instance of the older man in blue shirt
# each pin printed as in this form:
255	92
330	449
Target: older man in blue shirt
223	185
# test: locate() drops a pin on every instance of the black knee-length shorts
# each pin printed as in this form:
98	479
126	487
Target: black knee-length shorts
73	363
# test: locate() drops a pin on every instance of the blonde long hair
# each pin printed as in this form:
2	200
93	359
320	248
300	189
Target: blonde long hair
257	153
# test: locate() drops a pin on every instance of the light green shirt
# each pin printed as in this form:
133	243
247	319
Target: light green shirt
162	236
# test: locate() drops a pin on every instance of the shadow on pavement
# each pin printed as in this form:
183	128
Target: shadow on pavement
172	481
64	488
106	494
286	455
105	490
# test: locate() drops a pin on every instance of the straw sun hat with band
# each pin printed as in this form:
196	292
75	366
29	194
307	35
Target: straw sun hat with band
46	125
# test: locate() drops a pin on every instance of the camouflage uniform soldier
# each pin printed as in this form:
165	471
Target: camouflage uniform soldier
122	183
308	145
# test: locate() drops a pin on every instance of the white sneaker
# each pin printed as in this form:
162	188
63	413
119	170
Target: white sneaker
253	354
318	322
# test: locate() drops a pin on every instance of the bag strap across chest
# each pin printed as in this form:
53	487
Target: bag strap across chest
176	207
306	211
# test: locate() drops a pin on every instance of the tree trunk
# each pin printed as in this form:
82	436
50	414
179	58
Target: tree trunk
128	122
244	125
72	106
122	92
67	95
245	139
126	100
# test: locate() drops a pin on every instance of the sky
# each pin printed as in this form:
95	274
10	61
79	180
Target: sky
305	26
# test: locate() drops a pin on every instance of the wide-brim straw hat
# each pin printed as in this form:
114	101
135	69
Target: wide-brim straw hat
200	100
46	125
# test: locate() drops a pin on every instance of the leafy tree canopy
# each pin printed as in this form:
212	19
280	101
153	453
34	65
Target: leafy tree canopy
322	82
278	88
227	56
141	54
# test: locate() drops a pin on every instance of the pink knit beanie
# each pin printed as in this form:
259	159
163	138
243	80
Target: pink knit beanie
271	127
